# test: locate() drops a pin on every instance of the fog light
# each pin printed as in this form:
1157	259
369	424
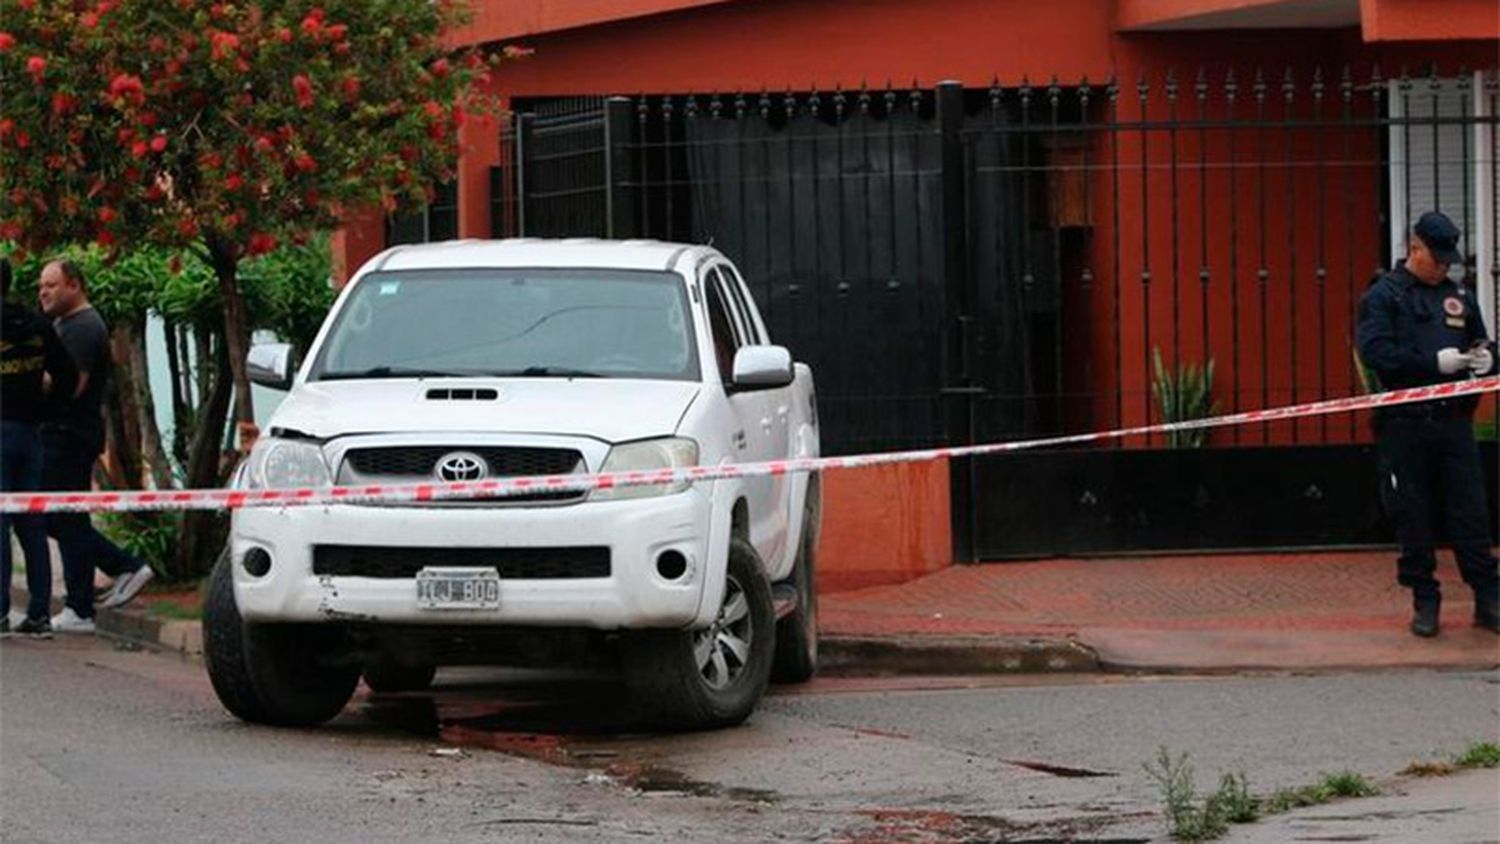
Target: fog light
257	562
671	564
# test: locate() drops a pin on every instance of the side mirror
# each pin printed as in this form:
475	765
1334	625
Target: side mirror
271	365
762	367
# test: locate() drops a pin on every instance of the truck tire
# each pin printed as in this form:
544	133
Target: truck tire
714	677
796	659
282	675
387	675
224	647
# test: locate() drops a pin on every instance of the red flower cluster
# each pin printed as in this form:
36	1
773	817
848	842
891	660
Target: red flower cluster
303	86
312	25
37	67
225	44
7	41
260	243
128	88
63	103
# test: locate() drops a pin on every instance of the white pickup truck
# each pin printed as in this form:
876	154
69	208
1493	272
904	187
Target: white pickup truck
465	360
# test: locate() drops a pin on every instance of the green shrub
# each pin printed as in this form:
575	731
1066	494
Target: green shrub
1184	394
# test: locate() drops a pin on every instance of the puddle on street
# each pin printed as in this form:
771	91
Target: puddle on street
568	723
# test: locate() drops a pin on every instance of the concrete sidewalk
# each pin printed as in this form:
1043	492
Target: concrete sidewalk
1288	612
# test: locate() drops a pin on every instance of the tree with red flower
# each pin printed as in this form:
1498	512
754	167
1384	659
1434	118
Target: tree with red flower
226	128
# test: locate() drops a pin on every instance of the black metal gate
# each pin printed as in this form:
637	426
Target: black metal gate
554	179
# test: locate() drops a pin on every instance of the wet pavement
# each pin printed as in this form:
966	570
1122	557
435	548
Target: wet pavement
100	742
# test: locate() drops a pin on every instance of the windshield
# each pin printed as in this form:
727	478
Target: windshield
512	323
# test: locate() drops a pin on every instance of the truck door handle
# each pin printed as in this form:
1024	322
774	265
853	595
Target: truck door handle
739	439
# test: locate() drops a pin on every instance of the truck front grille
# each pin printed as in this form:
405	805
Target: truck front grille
513	563
418	464
421	461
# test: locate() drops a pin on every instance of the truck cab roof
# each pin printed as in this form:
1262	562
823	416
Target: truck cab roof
538	252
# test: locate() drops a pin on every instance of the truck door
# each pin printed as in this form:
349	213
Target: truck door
754	412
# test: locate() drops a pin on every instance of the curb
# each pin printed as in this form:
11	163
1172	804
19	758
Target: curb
136	627
181	636
842	655
839	656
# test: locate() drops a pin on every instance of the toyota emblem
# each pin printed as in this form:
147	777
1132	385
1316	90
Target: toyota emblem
462	466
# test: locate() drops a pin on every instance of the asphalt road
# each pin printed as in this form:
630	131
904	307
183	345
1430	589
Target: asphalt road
99	743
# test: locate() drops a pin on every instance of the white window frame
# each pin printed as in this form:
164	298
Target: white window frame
1483	178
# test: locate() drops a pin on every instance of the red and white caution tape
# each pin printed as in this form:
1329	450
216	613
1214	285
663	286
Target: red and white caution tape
234	499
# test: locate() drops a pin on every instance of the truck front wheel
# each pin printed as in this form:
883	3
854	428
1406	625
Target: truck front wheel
284	675
713	677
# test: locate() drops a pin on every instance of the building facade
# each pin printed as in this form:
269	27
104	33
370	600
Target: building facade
986	219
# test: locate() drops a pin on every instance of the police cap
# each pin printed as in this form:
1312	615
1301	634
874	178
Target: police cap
1440	235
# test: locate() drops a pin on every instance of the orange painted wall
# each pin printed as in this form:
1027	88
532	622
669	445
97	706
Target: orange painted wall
1424	20
798	44
496	21
884	524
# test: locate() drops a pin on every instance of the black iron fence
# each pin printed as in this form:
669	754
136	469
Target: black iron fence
978	263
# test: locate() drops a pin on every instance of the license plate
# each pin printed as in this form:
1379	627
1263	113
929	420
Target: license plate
458	589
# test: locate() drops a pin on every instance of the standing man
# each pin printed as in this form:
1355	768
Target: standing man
71	444
1416	327
30	356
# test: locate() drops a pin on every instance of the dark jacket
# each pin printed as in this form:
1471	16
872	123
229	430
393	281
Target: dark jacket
29	349
1404	323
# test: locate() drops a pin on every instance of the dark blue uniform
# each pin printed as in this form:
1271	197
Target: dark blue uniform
1428	448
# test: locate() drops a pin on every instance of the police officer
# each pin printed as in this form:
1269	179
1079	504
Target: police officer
1417	327
37	378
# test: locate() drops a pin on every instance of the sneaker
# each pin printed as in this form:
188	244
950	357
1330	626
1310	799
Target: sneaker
127	586
35	628
68	621
101	596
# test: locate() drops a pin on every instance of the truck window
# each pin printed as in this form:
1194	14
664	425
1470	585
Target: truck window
719	324
737	293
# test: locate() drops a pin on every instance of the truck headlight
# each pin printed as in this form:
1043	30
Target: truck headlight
286	464
646	456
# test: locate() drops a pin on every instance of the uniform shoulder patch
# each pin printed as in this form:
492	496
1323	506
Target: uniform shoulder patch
1453	306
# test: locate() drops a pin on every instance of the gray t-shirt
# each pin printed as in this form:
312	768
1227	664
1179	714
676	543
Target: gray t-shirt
86	338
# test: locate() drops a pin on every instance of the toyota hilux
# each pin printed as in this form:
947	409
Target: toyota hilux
467	360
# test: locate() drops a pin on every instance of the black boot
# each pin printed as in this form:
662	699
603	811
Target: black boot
1487	613
1424	618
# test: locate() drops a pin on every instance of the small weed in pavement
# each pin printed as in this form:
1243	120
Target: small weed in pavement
1480	754
1187	820
1233	802
1331	787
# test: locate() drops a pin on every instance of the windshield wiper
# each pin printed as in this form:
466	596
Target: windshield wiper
549	372
397	372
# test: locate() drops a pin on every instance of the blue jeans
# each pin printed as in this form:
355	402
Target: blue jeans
69	466
21	471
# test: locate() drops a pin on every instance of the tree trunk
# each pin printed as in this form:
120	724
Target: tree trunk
122	458
236	337
203	531
136	378
203	339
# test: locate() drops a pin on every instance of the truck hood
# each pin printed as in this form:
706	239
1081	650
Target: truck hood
613	410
